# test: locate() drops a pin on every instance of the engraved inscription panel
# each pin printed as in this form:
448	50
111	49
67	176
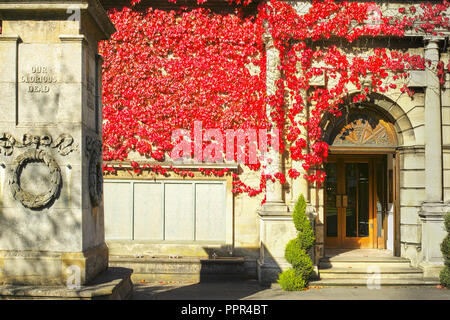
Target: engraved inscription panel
39	84
40	79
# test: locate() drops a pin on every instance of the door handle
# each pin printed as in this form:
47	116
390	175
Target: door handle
338	201
344	201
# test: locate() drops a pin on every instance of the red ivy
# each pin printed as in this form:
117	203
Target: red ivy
164	70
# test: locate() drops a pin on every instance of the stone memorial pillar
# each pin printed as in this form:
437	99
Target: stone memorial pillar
51	211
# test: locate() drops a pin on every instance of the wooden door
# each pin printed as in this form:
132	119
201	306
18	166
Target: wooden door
350	198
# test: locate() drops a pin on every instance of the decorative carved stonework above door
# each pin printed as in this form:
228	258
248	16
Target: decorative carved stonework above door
360	128
361	132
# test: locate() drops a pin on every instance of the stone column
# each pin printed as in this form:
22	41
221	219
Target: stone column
274	194
276	226
433	142
300	185
433	209
51	221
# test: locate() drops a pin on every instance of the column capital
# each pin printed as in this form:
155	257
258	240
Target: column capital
432	42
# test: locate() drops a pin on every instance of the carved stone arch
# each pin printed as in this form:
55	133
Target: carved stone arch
403	126
378	122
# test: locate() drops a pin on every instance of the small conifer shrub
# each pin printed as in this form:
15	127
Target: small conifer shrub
297	251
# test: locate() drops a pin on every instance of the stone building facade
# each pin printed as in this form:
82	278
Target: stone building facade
387	186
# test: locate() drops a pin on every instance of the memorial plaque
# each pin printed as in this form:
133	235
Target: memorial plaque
39	84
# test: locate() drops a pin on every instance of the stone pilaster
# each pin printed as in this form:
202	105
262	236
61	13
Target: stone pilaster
276	226
433	208
300	185
274	194
433	127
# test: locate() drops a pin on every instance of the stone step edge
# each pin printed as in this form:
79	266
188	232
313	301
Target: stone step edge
382	282
237	260
186	278
363	271
355	283
366	259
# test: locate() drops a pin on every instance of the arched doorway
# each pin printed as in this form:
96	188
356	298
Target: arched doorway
359	187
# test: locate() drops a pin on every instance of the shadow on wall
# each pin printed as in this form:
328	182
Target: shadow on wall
221	278
31	234
43	217
238	267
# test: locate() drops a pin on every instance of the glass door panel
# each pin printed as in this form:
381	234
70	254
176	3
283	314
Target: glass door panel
363	200
351	212
330	200
381	177
357	212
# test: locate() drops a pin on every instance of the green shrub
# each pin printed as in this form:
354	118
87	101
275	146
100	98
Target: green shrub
305	267
298	214
302	224
445	248
298	257
297	251
291	280
444	276
447	221
292	252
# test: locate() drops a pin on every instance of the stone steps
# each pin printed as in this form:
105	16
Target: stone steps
362	271
186	269
364	283
358	262
367	273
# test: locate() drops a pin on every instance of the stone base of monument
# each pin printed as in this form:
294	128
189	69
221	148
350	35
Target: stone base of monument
47	268
113	284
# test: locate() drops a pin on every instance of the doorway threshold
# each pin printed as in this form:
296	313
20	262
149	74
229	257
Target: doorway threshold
358	253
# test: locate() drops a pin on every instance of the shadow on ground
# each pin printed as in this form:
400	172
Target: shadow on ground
251	290
232	290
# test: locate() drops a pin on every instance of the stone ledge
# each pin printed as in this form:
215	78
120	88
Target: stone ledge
274	209
93	7
183	269
9	38
434	210
113	284
48	268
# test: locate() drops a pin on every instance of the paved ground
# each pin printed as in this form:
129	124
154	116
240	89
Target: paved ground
249	290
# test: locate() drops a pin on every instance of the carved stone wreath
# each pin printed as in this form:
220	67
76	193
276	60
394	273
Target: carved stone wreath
94	151
28	199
